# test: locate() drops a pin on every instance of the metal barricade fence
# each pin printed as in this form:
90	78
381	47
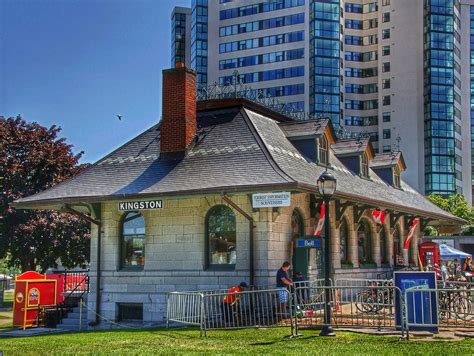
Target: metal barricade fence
456	306
435	308
420	309
355	282
185	308
214	310
449	284
354	303
255	308
312	283
352	307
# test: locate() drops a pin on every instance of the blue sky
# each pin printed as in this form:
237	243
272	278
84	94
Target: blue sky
78	64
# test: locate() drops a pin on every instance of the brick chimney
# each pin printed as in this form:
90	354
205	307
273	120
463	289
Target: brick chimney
178	122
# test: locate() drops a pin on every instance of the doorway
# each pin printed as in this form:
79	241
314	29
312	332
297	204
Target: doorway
306	257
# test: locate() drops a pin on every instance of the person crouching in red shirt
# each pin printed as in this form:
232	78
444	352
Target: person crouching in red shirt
230	304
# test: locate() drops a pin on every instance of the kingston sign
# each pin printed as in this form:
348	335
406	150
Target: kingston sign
140	205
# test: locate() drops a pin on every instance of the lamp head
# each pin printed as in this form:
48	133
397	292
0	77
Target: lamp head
326	184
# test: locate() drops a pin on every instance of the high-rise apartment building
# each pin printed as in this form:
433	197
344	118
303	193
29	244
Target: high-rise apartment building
469	12
181	36
399	70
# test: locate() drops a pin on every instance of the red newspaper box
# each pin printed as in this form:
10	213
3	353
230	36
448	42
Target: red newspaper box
32	290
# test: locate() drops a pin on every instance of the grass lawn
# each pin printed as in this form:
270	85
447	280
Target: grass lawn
253	341
8	295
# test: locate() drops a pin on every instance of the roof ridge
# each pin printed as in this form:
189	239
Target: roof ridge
264	147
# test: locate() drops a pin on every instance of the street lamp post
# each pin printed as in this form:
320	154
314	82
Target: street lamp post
327	187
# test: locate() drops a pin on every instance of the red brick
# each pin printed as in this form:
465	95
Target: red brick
178	123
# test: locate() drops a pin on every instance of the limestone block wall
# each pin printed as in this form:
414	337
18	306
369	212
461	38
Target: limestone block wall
279	234
174	256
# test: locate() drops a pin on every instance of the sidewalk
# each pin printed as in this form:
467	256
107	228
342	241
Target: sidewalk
29	332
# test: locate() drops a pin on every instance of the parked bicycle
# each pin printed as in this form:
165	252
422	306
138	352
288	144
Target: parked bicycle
455	301
373	299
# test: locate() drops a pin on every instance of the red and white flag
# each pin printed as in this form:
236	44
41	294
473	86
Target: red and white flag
379	216
317	232
410	233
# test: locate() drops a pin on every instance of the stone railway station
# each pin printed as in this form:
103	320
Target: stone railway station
200	167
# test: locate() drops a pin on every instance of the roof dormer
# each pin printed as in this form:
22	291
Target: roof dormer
355	154
389	166
312	138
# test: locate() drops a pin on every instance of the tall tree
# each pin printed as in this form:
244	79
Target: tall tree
32	159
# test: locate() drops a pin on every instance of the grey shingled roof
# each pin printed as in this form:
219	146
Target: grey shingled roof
387	159
236	150
350	146
349	185
308	128
226	154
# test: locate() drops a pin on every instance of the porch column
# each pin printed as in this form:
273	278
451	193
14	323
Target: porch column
353	248
389	244
403	237
376	253
335	237
335	247
414	245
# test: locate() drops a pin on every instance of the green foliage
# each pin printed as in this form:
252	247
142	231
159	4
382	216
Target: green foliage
454	204
6	268
32	159
431	231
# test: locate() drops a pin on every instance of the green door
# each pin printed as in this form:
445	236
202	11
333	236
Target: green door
301	261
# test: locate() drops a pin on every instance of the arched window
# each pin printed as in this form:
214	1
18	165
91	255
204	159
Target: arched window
323	151
221	236
364	165
344	239
297	225
364	242
132	251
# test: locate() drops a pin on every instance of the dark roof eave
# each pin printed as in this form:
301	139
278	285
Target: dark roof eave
388	165
45	203
348	154
452	219
303	137
50	203
355	198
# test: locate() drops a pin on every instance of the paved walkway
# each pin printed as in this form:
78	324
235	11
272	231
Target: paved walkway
29	332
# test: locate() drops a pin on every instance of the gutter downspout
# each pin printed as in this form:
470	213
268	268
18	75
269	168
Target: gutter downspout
97	278
97	212
97	209
251	227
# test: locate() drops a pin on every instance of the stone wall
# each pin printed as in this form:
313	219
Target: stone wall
175	256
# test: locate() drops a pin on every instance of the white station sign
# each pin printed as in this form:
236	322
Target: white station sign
271	200
140	205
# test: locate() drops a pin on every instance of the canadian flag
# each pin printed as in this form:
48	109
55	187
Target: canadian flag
410	233
379	216
317	232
